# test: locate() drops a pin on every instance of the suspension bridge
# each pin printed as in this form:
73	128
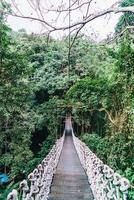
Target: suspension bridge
71	171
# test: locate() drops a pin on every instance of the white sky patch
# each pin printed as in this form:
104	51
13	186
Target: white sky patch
99	28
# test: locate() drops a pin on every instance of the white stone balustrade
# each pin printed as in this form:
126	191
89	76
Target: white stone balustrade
104	182
39	181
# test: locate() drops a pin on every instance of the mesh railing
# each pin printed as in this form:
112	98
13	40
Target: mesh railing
104	182
37	187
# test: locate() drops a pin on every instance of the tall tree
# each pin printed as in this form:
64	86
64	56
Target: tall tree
15	128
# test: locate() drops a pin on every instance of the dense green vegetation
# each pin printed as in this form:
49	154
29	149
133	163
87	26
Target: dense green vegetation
127	19
36	93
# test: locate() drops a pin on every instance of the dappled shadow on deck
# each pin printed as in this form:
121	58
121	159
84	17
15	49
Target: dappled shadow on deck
70	181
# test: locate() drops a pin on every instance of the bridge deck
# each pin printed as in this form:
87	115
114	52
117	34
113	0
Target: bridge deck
70	181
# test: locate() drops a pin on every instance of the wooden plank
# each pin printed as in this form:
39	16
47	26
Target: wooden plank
70	180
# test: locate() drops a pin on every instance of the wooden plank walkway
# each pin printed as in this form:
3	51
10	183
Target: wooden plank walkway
70	181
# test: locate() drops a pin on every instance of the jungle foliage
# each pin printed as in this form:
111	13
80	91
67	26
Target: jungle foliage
36	93
126	19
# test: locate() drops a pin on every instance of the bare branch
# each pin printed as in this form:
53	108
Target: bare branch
109	116
35	19
66	10
83	22
120	34
76	36
16	7
63	11
88	8
97	15
124	9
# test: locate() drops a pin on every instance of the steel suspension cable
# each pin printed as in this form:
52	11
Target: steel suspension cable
69	42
